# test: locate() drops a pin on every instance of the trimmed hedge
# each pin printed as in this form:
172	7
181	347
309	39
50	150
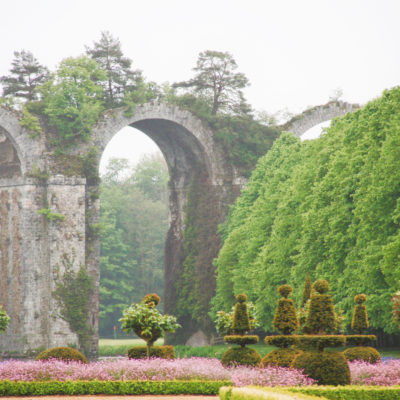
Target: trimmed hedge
62	353
241	340
166	351
258	393
241	356
281	341
280	358
40	388
360	340
319	342
361	353
351	392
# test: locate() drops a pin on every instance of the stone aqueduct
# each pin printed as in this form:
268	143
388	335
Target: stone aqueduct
35	251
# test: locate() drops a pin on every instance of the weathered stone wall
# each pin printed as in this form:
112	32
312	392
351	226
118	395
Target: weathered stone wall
313	116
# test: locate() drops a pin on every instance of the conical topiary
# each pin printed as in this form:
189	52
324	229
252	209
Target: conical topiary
321	315
285	319
359	322
240	324
306	291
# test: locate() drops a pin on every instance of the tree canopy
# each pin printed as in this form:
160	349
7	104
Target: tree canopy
217	81
327	207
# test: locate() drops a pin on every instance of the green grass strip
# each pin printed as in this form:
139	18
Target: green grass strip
44	388
255	393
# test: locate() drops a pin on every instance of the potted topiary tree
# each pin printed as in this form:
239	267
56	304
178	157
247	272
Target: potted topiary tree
359	325
149	324
240	326
327	368
286	322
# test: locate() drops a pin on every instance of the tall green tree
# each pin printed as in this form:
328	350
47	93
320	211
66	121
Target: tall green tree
121	78
26	75
72	98
217	81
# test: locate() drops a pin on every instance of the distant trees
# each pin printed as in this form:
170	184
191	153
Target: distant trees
26	75
121	78
134	223
218	82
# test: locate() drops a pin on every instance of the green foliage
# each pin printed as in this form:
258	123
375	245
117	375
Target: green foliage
307	290
4	319
224	321
121	79
240	322
30	122
217	82
282	341
360	340
51	216
121	388
327	207
241	340
147	322
319	342
155	351
72	100
367	354
133	226
280	358
326	368
241	356
62	353
26	75
321	314
73	293
285	319
359	322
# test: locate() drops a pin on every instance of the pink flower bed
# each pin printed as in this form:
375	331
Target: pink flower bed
154	369
385	373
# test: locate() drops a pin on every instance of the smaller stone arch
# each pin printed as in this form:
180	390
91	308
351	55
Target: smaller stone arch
313	116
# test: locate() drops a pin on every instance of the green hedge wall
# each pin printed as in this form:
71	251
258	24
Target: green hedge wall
13	388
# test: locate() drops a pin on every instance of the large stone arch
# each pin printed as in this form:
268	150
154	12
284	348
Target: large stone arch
315	115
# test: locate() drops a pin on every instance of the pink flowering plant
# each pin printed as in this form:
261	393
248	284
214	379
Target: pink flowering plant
154	369
385	373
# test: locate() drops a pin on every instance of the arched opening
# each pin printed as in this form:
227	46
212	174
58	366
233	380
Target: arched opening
134	220
316	131
10	166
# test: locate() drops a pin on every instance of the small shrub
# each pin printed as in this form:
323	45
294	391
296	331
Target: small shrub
62	353
326	368
241	356
166	352
280	358
361	353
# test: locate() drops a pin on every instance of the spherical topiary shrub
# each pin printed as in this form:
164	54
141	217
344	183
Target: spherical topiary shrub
62	353
285	319
359	322
241	356
361	353
240	324
326	368
321	314
280	358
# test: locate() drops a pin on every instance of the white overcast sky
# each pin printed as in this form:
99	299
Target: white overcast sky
294	52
